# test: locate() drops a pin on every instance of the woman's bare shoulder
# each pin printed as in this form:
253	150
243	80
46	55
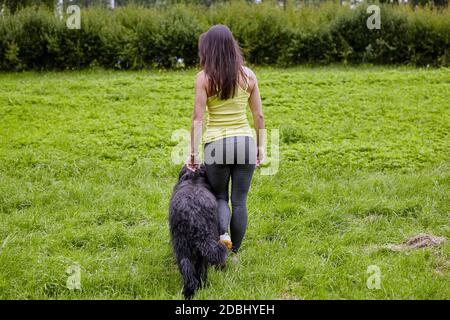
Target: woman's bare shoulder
201	75
251	76
201	78
249	72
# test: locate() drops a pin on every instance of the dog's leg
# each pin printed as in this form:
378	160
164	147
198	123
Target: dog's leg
215	252
201	269
204	275
190	282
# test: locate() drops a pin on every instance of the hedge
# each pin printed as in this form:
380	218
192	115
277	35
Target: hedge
134	37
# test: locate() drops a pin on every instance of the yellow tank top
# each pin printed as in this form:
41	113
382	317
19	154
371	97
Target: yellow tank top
228	118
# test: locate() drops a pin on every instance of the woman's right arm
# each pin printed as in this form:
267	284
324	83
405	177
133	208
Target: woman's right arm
197	120
258	117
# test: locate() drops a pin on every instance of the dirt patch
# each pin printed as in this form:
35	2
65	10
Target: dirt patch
416	242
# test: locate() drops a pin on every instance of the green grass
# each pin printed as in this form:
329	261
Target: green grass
86	176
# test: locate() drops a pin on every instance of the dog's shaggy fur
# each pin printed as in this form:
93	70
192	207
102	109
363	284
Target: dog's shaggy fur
193	227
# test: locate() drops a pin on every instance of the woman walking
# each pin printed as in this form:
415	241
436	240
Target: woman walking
225	87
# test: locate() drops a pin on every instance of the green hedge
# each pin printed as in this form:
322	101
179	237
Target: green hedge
135	37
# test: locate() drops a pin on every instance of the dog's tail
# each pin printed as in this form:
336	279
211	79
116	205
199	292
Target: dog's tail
215	252
190	282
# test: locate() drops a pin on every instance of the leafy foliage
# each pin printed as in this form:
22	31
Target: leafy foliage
135	37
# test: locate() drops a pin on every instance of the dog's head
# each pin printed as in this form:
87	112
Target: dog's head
186	174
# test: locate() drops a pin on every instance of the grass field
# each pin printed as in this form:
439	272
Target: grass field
86	176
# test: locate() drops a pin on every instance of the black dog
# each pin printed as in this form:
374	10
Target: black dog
193	227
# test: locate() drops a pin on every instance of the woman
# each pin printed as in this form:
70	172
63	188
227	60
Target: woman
225	86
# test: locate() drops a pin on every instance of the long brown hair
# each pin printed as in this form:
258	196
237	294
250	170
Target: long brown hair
221	59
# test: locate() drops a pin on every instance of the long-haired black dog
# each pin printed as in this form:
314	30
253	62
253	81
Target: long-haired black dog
193	228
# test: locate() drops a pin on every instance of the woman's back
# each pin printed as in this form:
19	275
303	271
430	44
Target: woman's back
228	118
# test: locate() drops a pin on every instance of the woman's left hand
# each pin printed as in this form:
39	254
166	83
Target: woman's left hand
260	156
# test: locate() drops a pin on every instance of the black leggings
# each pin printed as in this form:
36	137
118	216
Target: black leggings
235	158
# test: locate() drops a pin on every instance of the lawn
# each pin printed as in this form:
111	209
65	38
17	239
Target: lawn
86	176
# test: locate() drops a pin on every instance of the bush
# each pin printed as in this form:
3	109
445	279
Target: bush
168	36
135	37
262	34
26	40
